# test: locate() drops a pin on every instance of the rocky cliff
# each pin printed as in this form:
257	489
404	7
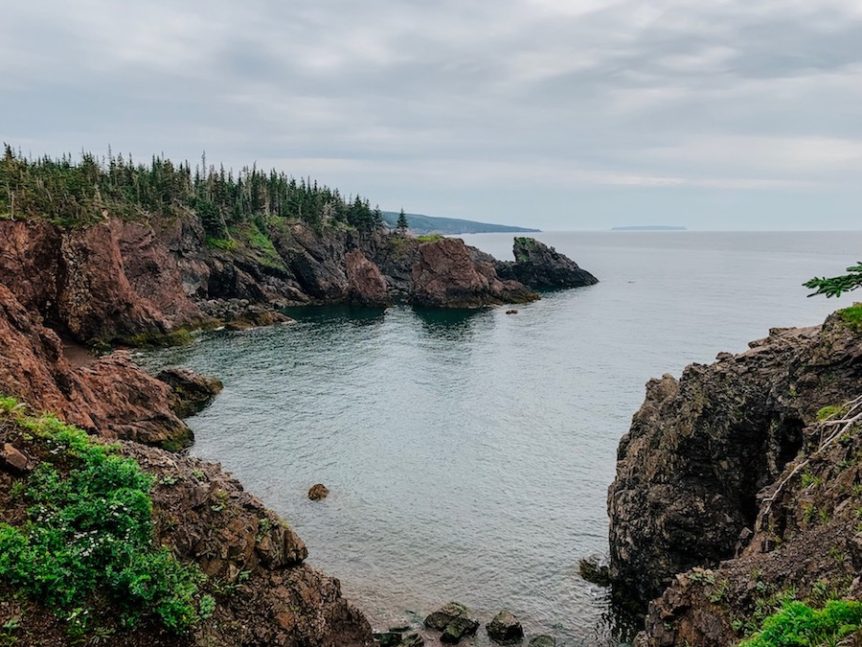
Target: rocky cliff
133	281
740	484
540	267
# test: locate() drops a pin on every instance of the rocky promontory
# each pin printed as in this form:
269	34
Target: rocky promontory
136	282
738	487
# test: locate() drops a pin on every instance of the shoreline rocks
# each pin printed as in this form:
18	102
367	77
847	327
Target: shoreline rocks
318	492
192	392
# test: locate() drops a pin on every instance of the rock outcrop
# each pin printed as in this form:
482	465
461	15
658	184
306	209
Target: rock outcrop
447	275
192	392
728	494
540	267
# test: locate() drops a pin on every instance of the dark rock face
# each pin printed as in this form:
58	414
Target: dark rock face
192	392
697	479
540	267
505	629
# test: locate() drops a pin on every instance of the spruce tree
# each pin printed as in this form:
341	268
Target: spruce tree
402	225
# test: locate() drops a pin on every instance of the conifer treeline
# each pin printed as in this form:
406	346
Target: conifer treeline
75	193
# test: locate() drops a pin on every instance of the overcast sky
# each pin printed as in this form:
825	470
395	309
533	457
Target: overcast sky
561	114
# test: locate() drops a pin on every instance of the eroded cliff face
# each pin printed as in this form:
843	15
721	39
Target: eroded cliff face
725	472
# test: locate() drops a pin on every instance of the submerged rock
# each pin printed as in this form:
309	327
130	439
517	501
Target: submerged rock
318	491
505	629
540	267
543	641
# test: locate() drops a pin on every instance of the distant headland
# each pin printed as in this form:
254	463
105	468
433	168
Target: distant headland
421	224
650	228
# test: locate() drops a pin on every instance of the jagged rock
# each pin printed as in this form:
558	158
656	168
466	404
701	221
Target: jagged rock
366	284
318	491
540	267
458	629
13	460
505	629
446	275
192	392
722	452
543	641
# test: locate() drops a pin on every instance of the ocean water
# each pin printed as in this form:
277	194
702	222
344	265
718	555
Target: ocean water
468	454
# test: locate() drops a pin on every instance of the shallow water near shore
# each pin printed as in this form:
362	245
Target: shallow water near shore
468	454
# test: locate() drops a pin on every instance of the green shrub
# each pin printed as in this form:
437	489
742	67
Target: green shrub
429	238
798	625
852	316
225	244
89	536
830	411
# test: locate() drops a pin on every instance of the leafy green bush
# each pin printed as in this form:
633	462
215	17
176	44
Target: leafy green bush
852	316
89	536
798	625
429	238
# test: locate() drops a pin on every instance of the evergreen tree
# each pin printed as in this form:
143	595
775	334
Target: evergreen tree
402	225
835	286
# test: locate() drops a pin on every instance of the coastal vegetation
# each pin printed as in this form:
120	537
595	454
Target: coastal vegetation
76	193
835	286
78	535
796	624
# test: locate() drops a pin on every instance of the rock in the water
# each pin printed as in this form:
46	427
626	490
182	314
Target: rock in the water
511	312
443	616
459	629
543	641
540	267
388	639
412	640
505	629
13	460
595	569
192	391
318	491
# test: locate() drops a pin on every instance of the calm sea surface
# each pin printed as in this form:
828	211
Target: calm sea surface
468	454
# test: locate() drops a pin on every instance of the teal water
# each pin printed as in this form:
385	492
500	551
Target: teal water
468	454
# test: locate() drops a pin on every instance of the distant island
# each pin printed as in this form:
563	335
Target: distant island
421	224
650	228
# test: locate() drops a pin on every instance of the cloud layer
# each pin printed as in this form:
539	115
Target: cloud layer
559	113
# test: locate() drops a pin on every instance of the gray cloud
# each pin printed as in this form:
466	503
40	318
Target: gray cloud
559	113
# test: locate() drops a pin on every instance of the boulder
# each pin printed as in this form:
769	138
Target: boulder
13	460
446	614
505	629
595	569
318	491
541	267
459	629
192	391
